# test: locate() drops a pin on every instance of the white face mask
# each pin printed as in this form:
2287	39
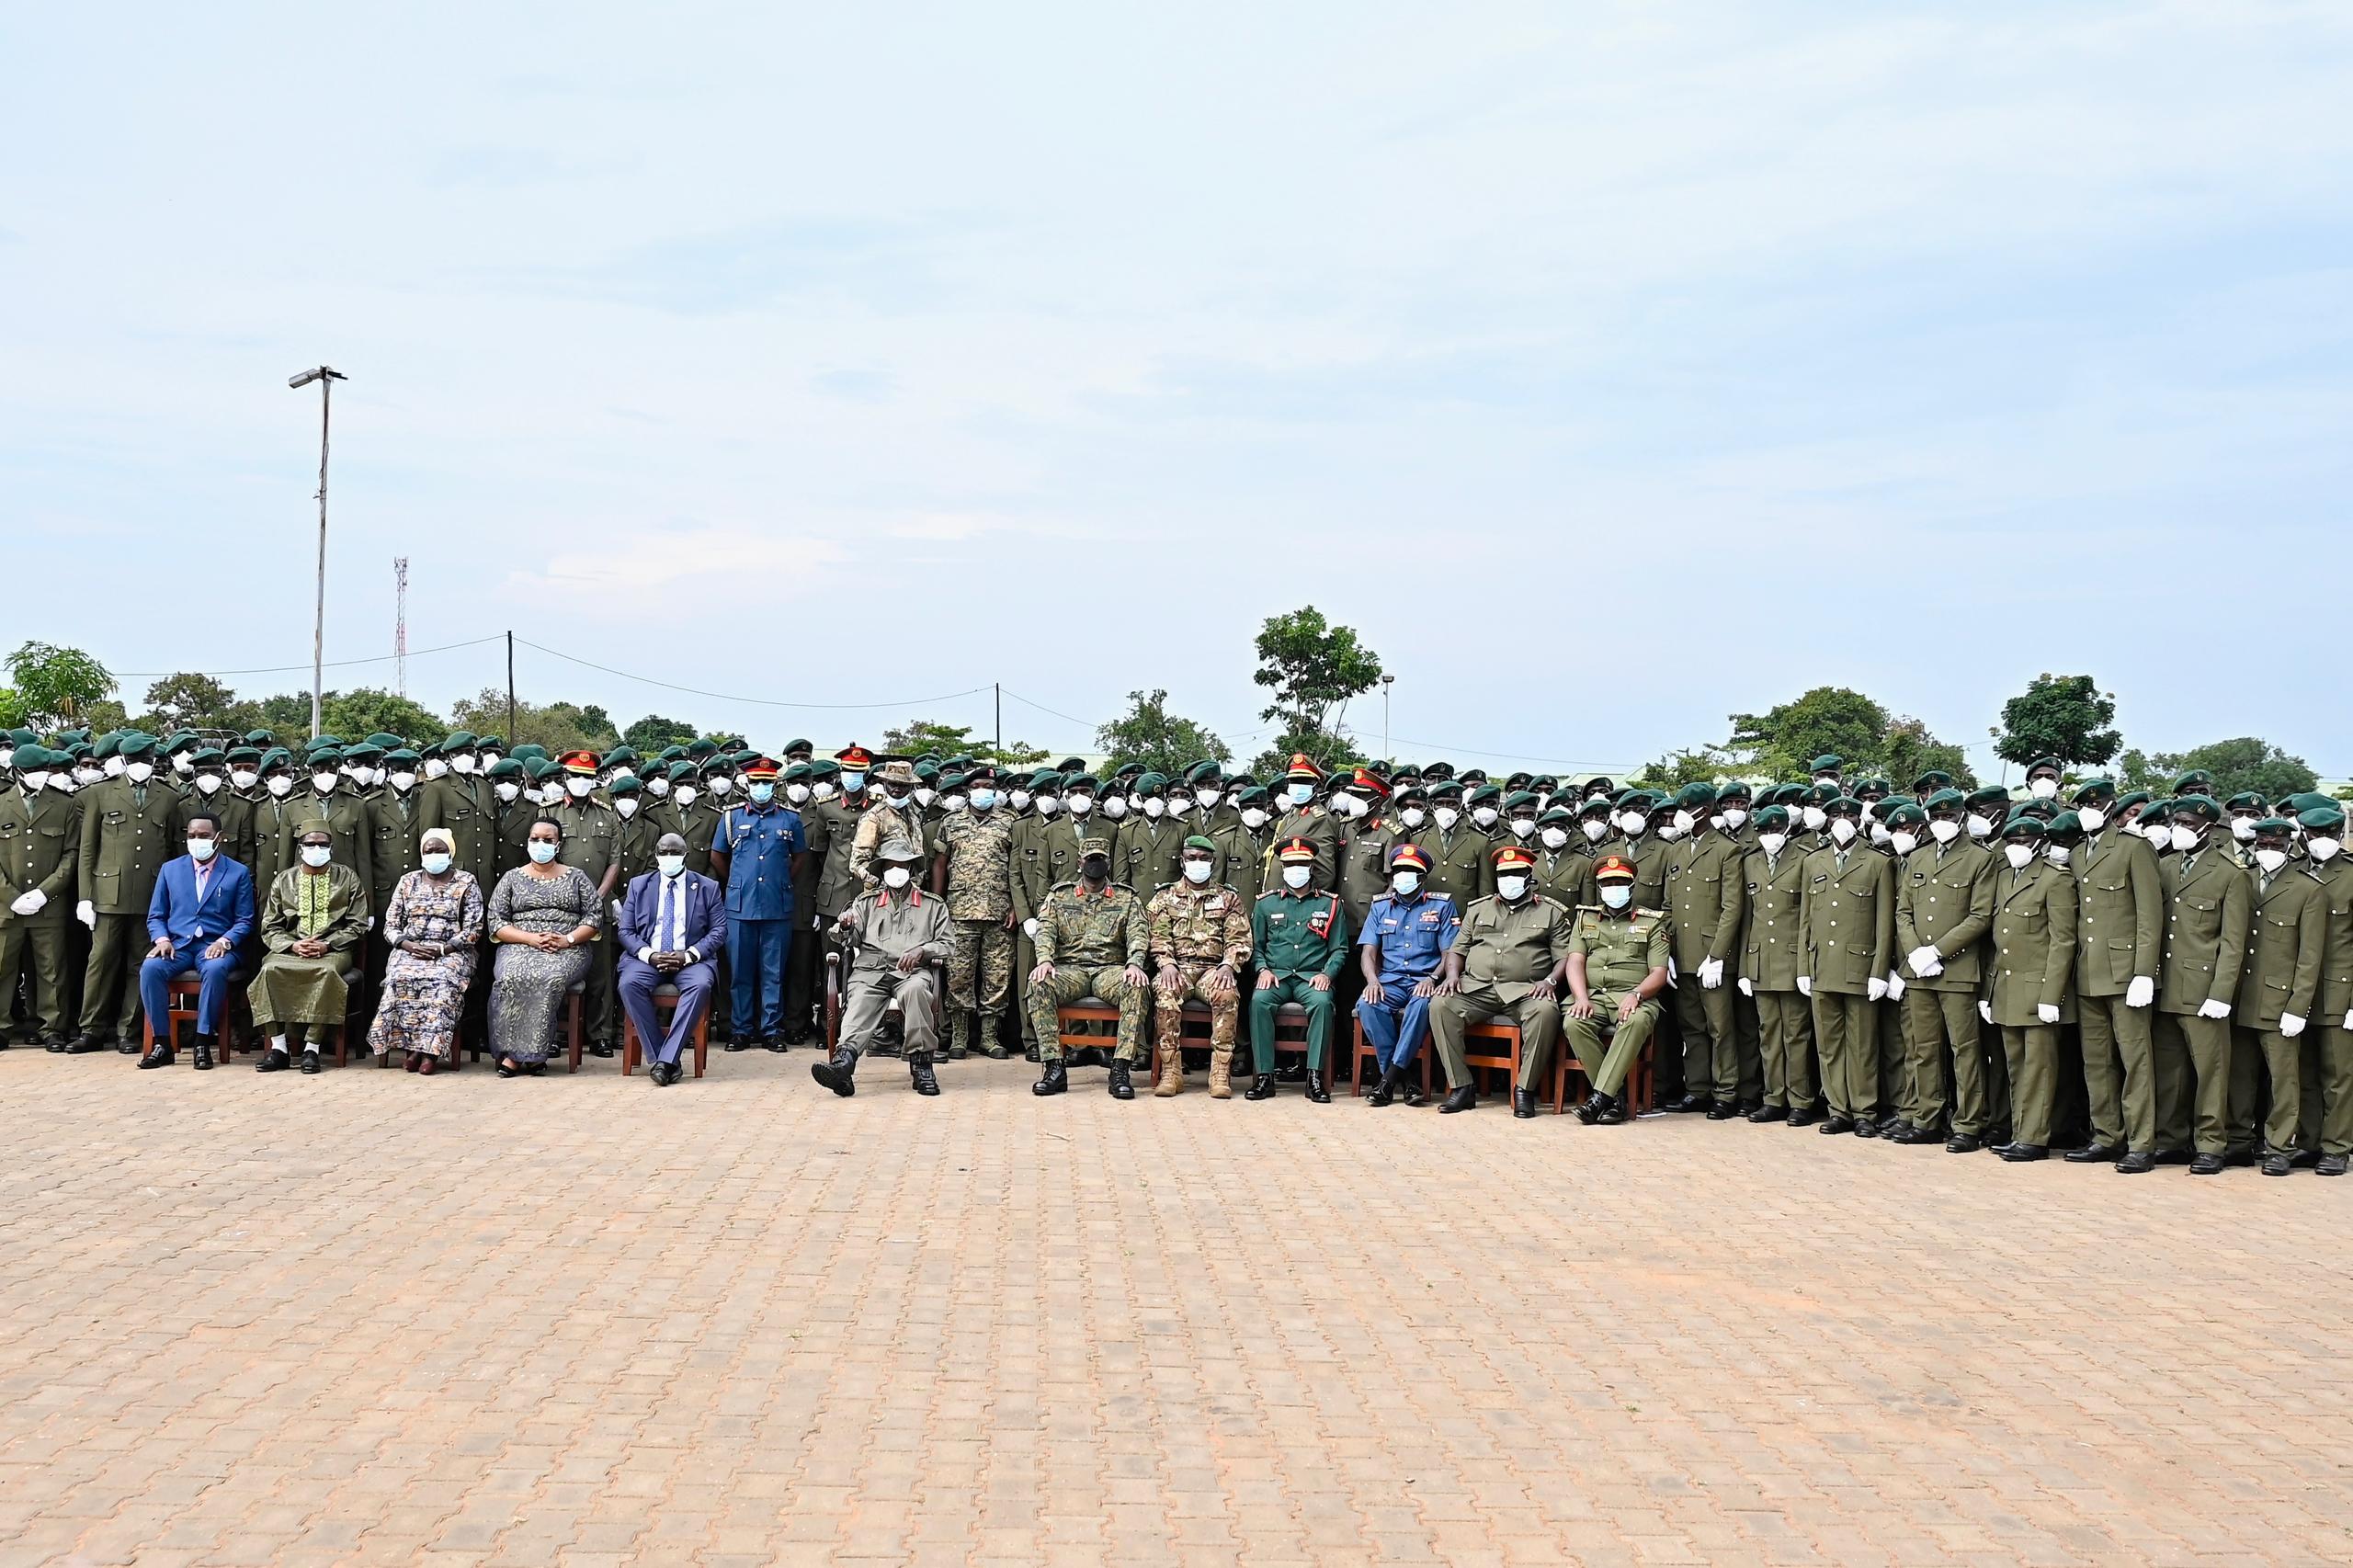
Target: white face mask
403	781
686	795
2043	788
1880	835
1668	831
1842	830
1554	838
984	800
280	784
2018	855
2243	829
206	783
88	775
534	794
1980	827
1048	804
1813	817
951	804
2185	838
114	767
721	785
461	763
488	757
670	865
625	806
1019	800
1484	815
1684	822
542	852
7	755
1629	823
2092	817
1944	830
1296	876
1253	818
508	792
624	771
578	788
896	876
36	781
1412	817
1206	798
1299	794
1734	816
1595	829
243	777
182	765
796	793
1407	883
1617	895
201	848
659	786
1155	807
1114	806
2058	853
435	862
316	854
1771	842
2323	849
1523	826
821	791
323	782
1717	821
924	796
1904	843
2270	859
140	772
1198	871
1448	816
1080	805
436	768
1511	890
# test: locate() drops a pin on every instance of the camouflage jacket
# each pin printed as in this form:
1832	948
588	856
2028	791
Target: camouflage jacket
979	846
882	822
1207	925
1091	930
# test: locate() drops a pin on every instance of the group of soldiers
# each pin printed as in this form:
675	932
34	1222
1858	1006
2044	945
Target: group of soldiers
2171	977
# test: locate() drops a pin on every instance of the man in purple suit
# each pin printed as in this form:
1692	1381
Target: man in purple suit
201	911
674	927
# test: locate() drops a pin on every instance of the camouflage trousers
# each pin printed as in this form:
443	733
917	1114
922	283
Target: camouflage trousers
980	973
1072	982
1168	1010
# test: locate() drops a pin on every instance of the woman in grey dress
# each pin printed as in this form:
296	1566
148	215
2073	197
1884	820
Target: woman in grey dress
542	917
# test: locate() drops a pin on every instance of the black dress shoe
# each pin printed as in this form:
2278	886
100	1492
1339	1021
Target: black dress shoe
919	1070
2175	1157
2277	1164
2136	1164
775	1043
1122	1089
1318	1091
736	1042
1895	1127
1291	1069
1262	1088
1464	1098
273	1061
2329	1165
1690	1104
1914	1135
2205	1164
1602	1110
1865	1127
309	1062
1055	1081
2093	1155
1804	1116
1523	1103
1764	1113
57	1047
1385	1092
1412	1092
838	1072
1834	1126
596	1048
1964	1143
127	1048
84	1044
203	1053
2239	1157
1722	1110
2023	1153
160	1056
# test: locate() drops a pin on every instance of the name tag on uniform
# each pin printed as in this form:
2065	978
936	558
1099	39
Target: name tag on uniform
1821	878
1753	886
1278	917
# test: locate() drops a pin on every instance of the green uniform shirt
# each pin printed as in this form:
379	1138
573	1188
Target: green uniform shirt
2287	937
1619	950
1772	943
127	832
2120	912
2207	910
40	844
1705	896
1297	933
1849	915
2033	957
1943	899
2335	879
1507	944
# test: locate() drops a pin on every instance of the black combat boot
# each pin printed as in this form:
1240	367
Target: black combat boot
1056	1080
1318	1091
919	1072
837	1072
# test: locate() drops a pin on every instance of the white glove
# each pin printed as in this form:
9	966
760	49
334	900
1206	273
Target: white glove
88	914
1875	988
2047	1011
2348	1020
1712	974
1925	963
1747	986
371	923
1986	1011
1805	985
2291	1026
2211	1008
1029	927
1673	973
33	902
1894	987
2140	993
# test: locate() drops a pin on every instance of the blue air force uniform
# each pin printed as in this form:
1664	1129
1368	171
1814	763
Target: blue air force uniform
1409	937
759	841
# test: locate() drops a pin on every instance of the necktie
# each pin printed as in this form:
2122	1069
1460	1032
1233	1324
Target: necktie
670	943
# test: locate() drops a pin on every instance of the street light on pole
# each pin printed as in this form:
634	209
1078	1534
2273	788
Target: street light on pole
1387	760
327	376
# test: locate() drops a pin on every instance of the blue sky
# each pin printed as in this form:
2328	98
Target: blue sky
1613	368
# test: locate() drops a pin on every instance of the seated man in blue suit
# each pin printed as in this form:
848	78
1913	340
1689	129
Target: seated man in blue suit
674	927
201	912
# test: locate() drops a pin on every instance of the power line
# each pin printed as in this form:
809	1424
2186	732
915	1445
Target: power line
331	663
760	701
1042	708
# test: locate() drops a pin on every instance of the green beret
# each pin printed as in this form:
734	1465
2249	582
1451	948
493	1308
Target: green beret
1552	815
2021	825
1693	797
620	754
1543	781
698	749
104	747
1736	790
948	782
2197	781
179	741
458	740
2322	819
505	767
277	757
1484	793
629	786
2203	806
362	752
1445	789
1082	781
1150	783
1250	795
1885	805
2067	827
1772	818
1906	814
492	743
1828	762
681	771
798	773
1945	797
1935	778
1196	841
2092	790
2041	763
135	745
1871	788
407	754
537	767
822	767
32	754
2154	811
1823	794
1200	771
208	757
927	772
324	756
383	742
2275	824
1070	765
2246	801
1843	805
1518	798
799	744
1046	780
1991	795
1594	806
2136	798
22	737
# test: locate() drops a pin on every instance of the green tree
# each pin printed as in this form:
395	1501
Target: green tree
1782	740
54	685
1165	743
554	726
190	700
1313	668
367	710
652	732
918	736
2238	765
2067	717
1706	766
1912	751
287	715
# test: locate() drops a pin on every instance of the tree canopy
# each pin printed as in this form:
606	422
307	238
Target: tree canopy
2067	717
1314	668
1165	743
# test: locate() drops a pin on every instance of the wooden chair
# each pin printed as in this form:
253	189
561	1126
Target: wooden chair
1493	1043
665	1003
1366	1057
1071	1022
894	1010
574	1003
182	996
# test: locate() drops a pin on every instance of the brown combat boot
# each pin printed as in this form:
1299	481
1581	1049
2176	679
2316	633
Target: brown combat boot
1222	1072
1172	1074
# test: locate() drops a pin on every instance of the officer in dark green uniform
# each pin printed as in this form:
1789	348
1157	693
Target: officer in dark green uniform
1303	818
394	849
40	844
2209	911
1298	943
1242	843
1457	850
1944	907
592	834
1847	913
2278	992
513	814
2029	979
130	825
2328	1109
1705	898
1617	968
1560	866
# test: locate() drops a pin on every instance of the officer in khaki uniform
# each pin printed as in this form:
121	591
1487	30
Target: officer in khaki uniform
2028	979
2279	989
1508	958
2208	908
2120	936
1200	940
1457	851
1772	957
1944	906
1847	913
1705	899
1092	939
1617	967
2329	1113
1303	818
40	843
130	825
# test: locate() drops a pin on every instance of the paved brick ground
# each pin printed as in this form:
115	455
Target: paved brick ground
363	1318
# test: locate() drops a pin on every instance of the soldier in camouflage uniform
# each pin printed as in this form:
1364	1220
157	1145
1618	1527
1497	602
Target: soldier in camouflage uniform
891	814
1091	940
1200	939
972	868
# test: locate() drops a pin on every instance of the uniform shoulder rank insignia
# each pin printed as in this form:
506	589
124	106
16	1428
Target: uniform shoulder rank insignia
1654	914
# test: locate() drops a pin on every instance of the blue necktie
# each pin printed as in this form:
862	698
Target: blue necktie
670	914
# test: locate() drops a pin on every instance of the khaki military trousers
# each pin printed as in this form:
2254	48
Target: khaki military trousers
2120	1072
1711	1046
110	981
38	950
1168	1017
868	995
1539	1019
1605	1066
1072	982
2032	1053
2200	1106
2292	1067
1785	1043
1845	1033
2334	1108
980	978
1935	1022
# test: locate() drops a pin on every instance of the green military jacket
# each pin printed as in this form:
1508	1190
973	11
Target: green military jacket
392	848
514	819
272	849
978	846
1297	934
592	838
467	807
1512	945
1772	939
40	847
836	826
1849	916
1620	951
345	816
1209	924
698	824
235	814
1145	854
2207	910
1046	858
1242	857
1364	868
1705	899
126	838
2335	879
1943	899
2034	944
2287	939
634	845
1459	865
1092	930
1318	826
2120	912
347	911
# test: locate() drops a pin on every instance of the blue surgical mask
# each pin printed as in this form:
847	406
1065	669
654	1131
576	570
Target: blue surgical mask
435	863
1407	883
1618	896
852	782
670	865
983	798
201	848
1300	793
543	851
763	793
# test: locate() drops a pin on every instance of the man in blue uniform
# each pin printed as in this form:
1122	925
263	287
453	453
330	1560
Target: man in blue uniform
756	850
1406	937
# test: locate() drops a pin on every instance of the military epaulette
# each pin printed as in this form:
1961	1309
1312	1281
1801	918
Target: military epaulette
1589	909
1659	913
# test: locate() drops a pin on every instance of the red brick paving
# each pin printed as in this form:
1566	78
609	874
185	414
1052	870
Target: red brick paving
363	1318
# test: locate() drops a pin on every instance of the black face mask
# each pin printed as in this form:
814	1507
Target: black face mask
1095	868
898	797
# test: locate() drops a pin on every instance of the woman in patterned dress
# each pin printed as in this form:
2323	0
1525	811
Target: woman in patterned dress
432	924
543	916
